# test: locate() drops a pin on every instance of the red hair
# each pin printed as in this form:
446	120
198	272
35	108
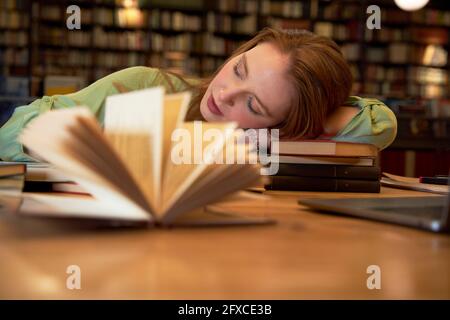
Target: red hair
318	71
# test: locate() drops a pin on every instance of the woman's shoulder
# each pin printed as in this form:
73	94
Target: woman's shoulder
135	71
174	82
133	76
141	77
150	77
124	80
377	109
374	123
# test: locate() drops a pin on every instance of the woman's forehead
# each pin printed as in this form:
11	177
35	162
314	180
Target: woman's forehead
268	55
268	75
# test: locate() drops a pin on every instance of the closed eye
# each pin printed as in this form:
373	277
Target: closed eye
250	98
236	70
250	107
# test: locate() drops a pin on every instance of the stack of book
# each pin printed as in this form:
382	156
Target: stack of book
37	177
11	169
11	180
11	185
323	165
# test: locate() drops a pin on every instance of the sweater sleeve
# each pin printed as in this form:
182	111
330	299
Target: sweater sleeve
93	97
375	123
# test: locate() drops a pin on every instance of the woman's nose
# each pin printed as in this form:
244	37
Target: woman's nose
228	96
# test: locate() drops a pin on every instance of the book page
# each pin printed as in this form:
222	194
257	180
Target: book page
203	180
175	108
105	159
214	174
134	125
78	154
77	206
186	161
395	181
229	181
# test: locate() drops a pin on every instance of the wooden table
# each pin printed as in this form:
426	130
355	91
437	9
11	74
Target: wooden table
304	255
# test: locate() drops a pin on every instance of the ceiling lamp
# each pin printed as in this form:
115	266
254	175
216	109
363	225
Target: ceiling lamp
411	5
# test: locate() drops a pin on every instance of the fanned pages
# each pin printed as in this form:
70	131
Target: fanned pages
148	163
82	162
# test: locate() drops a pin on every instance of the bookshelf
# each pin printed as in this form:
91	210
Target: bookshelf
406	58
14	37
415	62
15	52
405	63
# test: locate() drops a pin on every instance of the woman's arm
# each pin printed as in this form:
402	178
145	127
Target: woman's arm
92	97
374	123
339	119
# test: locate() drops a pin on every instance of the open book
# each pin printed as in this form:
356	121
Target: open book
129	167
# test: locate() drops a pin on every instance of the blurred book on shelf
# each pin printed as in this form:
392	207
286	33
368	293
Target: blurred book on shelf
389	62
290	9
62	84
14	86
14	91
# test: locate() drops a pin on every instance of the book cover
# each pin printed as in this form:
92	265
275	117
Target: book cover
354	161
11	169
322	184
329	171
324	148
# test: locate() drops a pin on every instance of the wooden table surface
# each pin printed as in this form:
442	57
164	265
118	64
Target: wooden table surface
304	255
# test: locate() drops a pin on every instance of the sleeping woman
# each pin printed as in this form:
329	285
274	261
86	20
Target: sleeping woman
291	80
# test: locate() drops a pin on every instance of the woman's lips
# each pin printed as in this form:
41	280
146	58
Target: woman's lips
212	106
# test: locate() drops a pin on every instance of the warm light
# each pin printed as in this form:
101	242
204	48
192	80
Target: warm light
130	3
130	17
434	55
411	5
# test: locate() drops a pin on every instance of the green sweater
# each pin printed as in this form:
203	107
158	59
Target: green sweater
375	123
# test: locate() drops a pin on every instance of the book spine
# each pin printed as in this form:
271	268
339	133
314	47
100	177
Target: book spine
329	171
322	184
347	161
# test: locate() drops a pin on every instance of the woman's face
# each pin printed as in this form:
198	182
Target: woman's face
251	89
